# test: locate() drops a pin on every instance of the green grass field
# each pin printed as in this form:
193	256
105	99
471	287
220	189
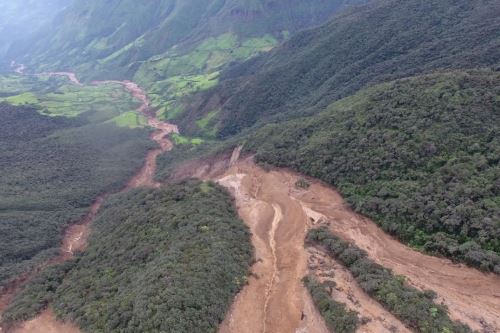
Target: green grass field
170	77
22	99
130	119
183	140
108	101
56	96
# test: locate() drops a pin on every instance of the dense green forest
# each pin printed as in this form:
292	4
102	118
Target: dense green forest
420	156
168	260
382	41
52	170
416	309
337	317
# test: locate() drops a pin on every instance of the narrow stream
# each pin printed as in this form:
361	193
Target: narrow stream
76	236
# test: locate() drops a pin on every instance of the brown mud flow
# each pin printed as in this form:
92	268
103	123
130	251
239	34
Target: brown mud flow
46	323
347	291
274	299
76	236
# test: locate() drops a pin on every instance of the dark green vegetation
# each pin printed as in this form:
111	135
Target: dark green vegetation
168	260
181	154
386	40
110	39
420	156
337	317
52	170
172	48
414	308
37	294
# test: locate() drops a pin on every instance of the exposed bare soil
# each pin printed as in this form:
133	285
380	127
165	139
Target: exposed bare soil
76	236
348	292
46	323
275	299
473	297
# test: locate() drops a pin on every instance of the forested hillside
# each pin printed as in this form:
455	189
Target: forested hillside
419	155
168	260
52	170
395	103
385	40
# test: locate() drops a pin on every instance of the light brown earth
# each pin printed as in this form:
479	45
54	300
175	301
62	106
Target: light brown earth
347	291
76	236
473	297
46	323
275	299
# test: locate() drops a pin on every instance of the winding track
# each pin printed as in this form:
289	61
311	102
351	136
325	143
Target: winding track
76	236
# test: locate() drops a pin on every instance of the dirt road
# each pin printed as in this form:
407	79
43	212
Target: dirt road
472	296
75	237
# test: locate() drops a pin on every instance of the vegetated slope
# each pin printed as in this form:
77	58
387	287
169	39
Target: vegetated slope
109	39
337	317
168	260
380	41
420	156
52	170
22	18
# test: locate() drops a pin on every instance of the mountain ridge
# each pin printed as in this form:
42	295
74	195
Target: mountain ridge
88	33
319	66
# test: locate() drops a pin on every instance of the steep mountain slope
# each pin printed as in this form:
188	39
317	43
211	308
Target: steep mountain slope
414	146
385	40
21	18
110	38
52	170
420	156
